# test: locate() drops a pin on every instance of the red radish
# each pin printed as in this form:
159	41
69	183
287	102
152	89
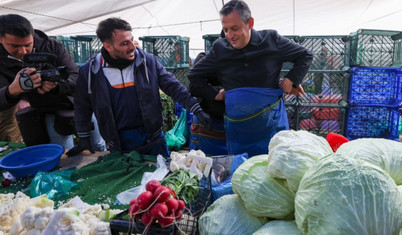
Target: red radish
159	210
178	215
135	211
166	221
6	182
172	192
132	202
182	205
146	220
152	185
145	199
172	204
162	193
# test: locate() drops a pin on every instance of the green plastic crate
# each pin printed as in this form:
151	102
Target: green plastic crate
397	59
69	44
82	47
85	47
209	39
171	51
330	52
372	48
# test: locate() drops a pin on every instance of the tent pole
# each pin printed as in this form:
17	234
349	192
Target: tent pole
294	17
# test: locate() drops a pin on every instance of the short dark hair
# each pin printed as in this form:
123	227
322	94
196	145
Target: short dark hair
237	5
15	25
106	27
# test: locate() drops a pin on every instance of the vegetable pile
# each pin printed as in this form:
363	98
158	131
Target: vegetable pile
158	204
302	187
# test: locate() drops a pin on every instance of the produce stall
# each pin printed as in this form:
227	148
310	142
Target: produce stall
89	185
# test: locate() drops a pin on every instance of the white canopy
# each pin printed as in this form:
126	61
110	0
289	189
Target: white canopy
195	18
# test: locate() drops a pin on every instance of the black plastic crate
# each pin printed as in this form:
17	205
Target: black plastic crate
373	122
397	59
375	86
329	52
188	224
372	47
321	120
209	39
171	51
324	87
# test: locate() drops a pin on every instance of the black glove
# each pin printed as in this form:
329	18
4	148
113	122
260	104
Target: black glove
204	119
83	144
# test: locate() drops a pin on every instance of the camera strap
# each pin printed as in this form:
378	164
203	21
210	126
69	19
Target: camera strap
26	82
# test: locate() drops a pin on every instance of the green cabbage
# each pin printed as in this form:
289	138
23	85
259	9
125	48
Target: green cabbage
227	215
291	153
344	195
386	154
262	195
278	227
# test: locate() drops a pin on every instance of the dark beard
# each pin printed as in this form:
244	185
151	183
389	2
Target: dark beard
115	63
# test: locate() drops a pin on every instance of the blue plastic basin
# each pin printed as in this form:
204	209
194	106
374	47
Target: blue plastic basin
29	161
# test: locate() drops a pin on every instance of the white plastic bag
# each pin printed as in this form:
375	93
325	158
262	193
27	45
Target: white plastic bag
160	173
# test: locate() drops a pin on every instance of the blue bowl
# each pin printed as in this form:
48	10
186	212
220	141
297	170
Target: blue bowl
29	161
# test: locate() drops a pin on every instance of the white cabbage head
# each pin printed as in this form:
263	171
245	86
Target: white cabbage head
344	195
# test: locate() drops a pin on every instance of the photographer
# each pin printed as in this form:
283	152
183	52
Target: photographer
45	107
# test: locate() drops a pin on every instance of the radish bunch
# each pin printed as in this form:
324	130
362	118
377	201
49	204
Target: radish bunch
157	204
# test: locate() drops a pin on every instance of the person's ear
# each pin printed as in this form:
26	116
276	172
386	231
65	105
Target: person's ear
107	46
251	22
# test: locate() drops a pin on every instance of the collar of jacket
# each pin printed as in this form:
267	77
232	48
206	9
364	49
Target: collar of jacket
255	38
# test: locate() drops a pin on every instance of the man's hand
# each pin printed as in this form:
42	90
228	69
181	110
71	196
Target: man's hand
220	95
46	87
287	86
204	119
83	144
25	83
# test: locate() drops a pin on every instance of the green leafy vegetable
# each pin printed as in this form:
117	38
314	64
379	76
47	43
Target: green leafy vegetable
184	183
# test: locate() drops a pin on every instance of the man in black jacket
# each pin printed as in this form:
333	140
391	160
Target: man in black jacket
23	85
248	65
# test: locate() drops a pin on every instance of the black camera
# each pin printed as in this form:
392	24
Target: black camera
39	60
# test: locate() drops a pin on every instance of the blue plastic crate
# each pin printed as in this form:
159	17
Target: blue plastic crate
373	122
375	86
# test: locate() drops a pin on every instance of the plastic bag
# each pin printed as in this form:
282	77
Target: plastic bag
178	135
225	187
160	173
54	184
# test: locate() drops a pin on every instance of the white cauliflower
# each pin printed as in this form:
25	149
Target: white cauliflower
16	229
66	221
195	161
12	211
42	201
98	227
42	218
28	218
34	232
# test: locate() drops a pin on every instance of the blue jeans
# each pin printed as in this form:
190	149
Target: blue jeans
98	144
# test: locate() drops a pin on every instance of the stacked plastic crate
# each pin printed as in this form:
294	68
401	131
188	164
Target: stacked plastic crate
323	108
172	52
209	39
375	93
